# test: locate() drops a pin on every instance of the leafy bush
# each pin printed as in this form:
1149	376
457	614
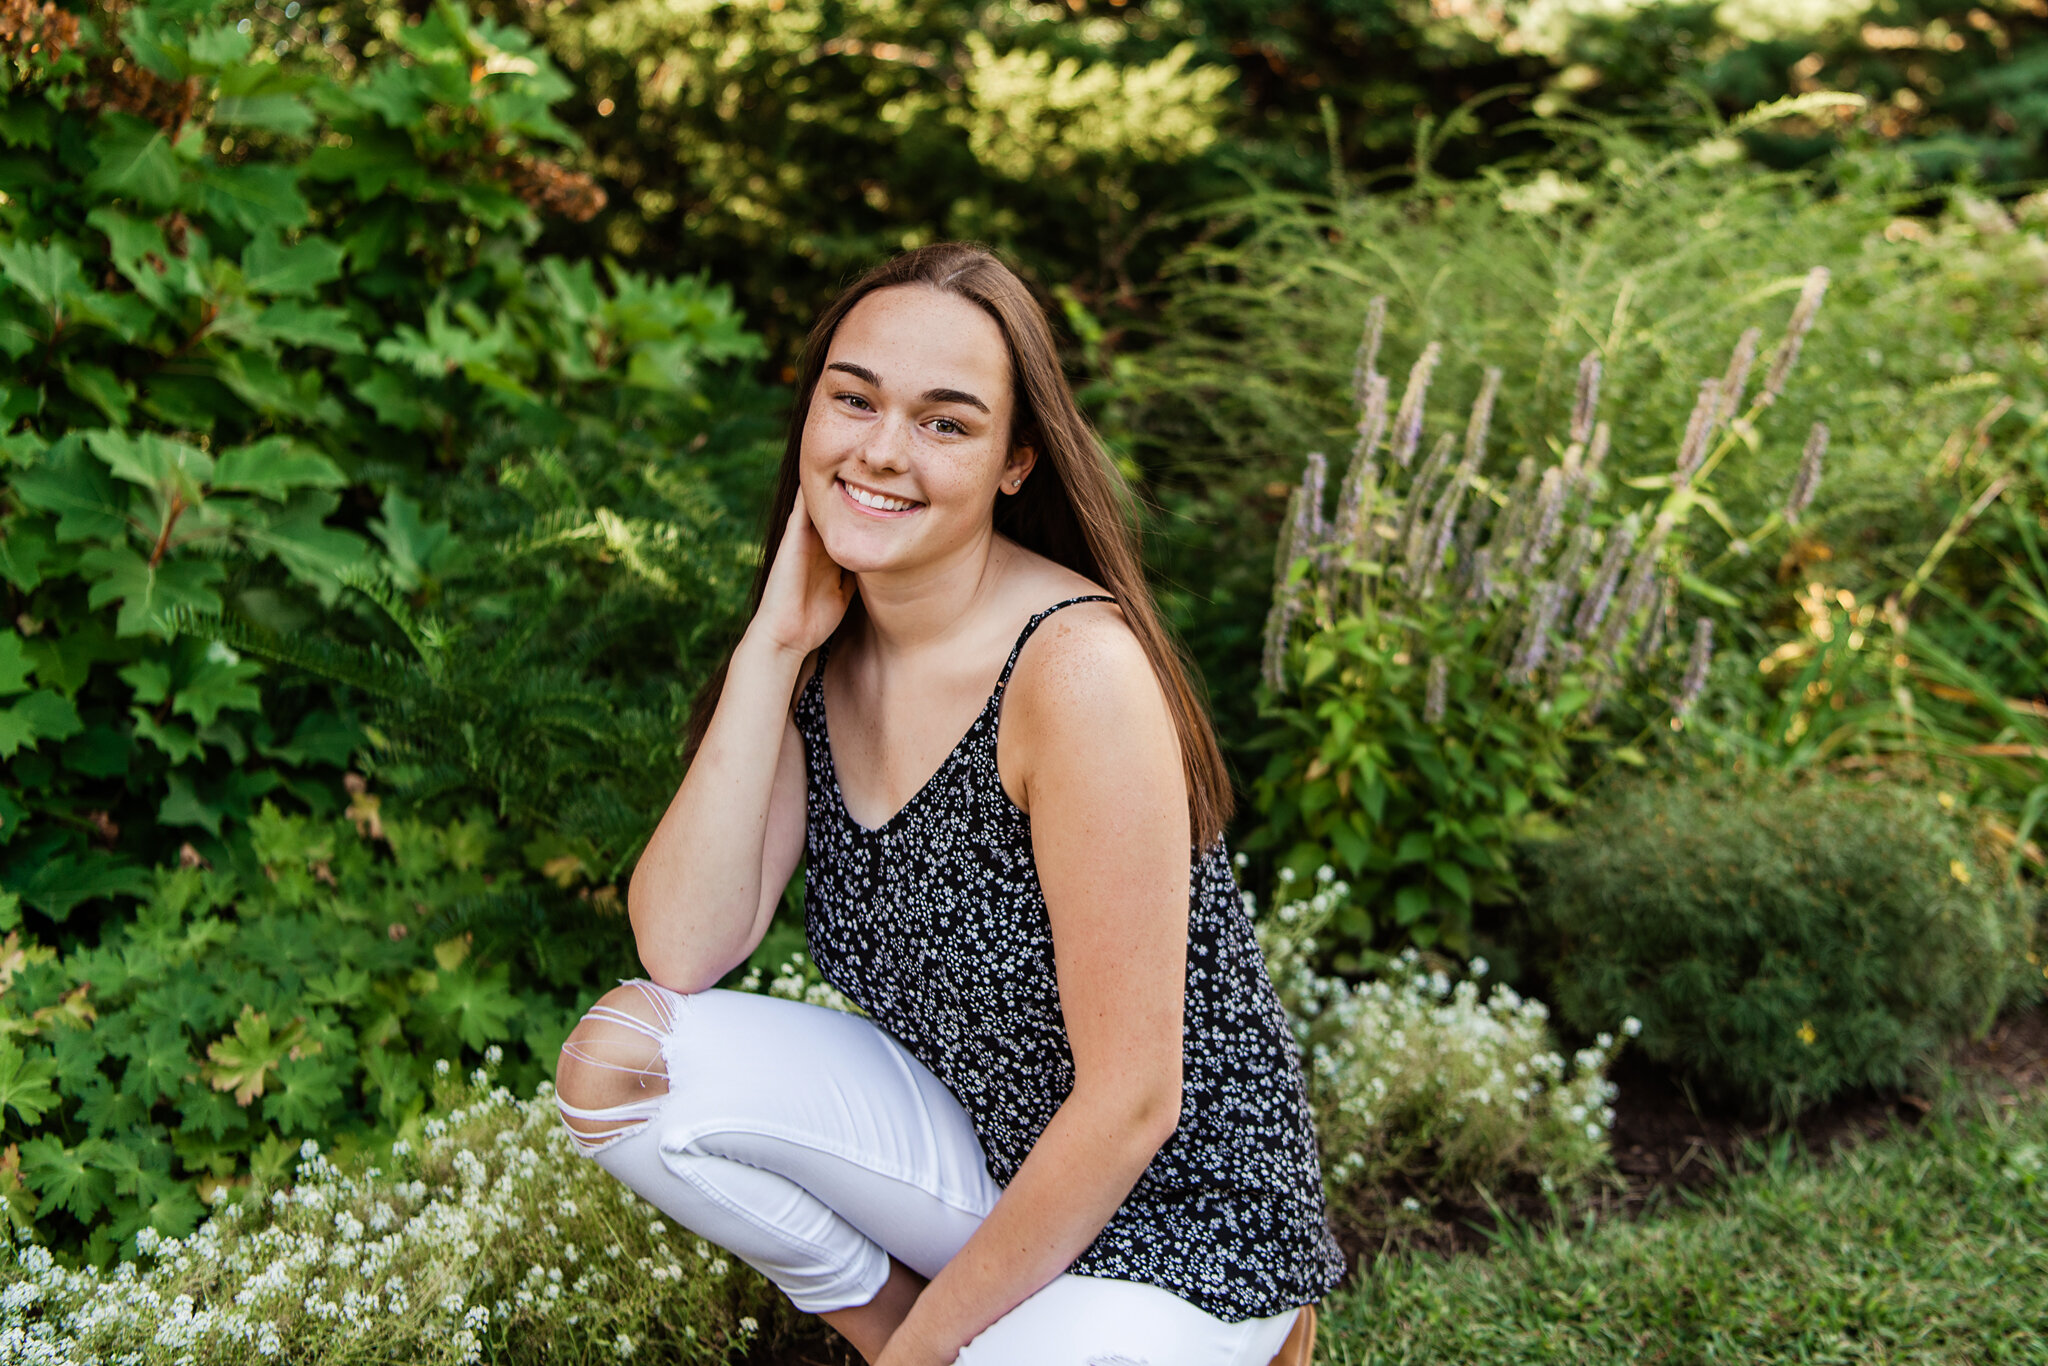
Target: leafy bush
1783	943
484	1236
252	312
301	987
1423	1090
1431	663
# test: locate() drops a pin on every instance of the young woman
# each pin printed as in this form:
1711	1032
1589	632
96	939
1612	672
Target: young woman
1072	1129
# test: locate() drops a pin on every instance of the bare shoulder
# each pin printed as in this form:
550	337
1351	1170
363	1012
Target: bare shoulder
1084	671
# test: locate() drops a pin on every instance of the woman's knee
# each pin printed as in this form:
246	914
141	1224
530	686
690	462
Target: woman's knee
613	1059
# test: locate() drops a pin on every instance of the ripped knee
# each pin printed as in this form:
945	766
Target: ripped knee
611	1072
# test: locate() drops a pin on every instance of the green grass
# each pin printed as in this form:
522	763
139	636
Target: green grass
1923	1247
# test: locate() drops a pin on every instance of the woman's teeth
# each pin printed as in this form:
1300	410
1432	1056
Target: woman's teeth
877	501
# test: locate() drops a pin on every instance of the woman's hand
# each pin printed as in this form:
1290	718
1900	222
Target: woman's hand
807	593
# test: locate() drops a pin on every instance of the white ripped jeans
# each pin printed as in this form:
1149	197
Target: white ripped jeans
813	1147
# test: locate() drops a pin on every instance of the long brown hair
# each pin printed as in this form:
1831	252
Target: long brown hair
1075	509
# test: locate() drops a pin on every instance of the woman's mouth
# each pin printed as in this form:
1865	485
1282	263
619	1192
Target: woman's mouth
877	504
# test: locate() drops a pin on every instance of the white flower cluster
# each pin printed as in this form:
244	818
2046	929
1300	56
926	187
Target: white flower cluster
798	979
494	1239
1427	1080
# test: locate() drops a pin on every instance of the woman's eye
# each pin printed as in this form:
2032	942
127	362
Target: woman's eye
949	426
854	399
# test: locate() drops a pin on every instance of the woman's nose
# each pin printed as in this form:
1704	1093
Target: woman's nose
888	444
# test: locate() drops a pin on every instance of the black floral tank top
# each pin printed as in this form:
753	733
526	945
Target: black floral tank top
934	924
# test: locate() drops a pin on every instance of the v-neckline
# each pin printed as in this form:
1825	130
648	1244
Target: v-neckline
832	759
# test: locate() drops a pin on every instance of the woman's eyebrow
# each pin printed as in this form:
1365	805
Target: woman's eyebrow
867	376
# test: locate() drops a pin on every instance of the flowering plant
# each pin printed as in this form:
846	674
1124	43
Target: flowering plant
1429	1083
486	1236
1435	647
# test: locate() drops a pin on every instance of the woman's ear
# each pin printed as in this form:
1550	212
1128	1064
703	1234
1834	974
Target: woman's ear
1018	467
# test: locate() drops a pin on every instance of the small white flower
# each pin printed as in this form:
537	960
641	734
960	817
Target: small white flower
1632	1027
1479	967
441	1068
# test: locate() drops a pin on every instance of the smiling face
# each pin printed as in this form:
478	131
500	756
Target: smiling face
906	445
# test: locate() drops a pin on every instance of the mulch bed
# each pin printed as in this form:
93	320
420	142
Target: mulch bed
1662	1143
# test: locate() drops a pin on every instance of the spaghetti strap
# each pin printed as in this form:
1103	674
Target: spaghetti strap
1032	625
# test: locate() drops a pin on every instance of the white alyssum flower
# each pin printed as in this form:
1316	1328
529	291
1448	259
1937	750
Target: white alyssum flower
357	1265
1440	1080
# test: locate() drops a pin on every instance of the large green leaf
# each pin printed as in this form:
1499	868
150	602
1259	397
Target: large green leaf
258	197
298	270
480	1006
224	681
297	324
70	483
312	551
416	544
101	387
47	273
223	46
275	467
42	715
14	665
156	462
56	884
74	1180
132	159
139	252
145	591
25	1082
284	114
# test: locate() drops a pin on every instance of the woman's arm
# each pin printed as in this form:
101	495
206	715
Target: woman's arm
1102	779
707	885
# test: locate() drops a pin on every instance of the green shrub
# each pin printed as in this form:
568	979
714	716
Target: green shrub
300	987
253	313
1783	944
482	1235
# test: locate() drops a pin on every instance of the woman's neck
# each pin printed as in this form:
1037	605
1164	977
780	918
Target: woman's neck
911	611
